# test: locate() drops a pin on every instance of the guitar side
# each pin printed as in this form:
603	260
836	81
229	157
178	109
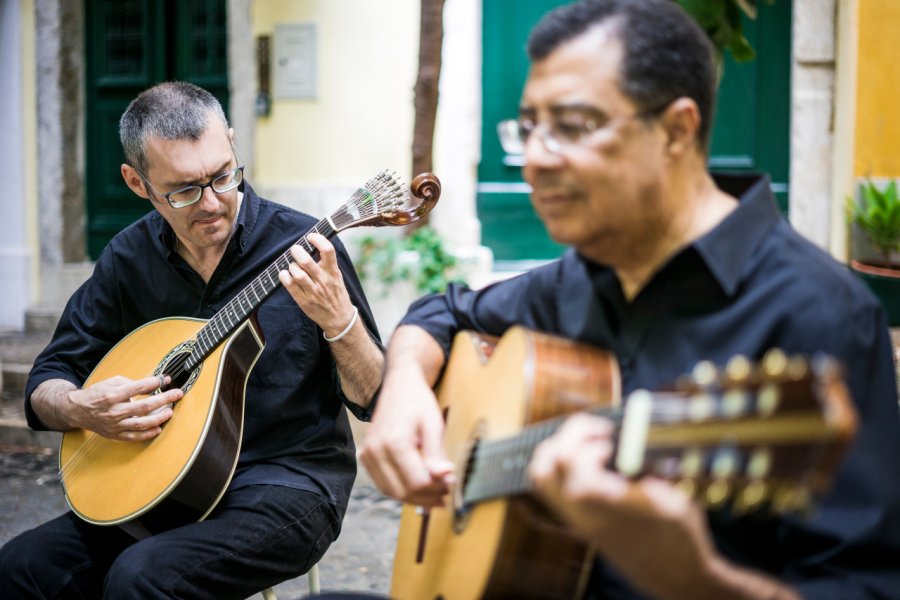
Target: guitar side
179	476
501	547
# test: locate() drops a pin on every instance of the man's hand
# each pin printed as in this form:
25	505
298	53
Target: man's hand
115	408
318	287
403	449
654	534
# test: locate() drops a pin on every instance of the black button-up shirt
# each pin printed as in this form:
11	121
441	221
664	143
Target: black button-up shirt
750	284
296	432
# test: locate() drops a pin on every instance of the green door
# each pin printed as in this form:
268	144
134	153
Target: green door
750	133
131	45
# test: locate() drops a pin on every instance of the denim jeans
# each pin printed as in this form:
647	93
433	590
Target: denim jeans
256	537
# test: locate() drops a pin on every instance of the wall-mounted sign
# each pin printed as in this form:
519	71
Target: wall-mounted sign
295	60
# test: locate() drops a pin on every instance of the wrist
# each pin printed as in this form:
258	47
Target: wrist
337	337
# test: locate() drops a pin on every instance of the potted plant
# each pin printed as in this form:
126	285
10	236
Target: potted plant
875	219
397	270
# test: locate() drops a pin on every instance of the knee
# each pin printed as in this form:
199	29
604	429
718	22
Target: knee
138	571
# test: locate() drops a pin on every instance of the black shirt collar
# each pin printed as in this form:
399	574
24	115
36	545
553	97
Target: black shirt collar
726	249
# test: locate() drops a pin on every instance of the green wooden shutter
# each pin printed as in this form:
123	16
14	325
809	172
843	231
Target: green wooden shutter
751	127
131	45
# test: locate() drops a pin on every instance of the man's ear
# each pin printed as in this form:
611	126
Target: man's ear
231	134
681	121
133	180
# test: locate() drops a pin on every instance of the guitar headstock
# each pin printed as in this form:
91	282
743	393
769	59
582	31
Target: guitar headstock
386	200
767	435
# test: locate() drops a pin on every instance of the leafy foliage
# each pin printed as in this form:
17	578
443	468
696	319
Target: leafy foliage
721	20
434	269
878	215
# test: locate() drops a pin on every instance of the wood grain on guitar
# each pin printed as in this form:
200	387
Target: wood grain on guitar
764	436
178	477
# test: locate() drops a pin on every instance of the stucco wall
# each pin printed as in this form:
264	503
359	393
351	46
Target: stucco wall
878	90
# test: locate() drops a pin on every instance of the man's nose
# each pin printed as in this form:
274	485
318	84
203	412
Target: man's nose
541	150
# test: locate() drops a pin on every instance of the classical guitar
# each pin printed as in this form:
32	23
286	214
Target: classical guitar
764	436
178	477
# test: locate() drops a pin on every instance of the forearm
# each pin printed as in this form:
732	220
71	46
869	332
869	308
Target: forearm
412	352
50	402
359	363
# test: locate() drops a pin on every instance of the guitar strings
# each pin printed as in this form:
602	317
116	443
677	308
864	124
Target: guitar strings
497	467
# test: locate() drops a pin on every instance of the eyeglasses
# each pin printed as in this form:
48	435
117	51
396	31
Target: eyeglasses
191	194
567	129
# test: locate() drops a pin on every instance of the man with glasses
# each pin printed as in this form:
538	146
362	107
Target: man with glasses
209	236
667	267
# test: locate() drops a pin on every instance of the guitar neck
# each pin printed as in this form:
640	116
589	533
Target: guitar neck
239	308
498	468
777	438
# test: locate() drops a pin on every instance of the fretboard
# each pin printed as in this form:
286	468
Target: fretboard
498	468
239	308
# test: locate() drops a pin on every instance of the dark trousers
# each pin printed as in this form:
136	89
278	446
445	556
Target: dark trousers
256	537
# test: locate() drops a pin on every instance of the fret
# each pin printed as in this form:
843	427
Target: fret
274	282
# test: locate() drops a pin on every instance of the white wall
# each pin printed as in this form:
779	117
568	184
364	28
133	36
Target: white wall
15	255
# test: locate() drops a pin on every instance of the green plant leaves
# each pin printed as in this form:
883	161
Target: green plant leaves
434	268
721	20
878	216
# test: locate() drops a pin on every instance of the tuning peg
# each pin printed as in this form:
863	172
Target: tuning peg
752	496
759	465
768	398
700	407
724	463
704	373
735	402
774	363
738	368
797	367
717	493
691	463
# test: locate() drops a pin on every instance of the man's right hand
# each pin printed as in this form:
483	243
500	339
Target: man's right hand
403	449
117	408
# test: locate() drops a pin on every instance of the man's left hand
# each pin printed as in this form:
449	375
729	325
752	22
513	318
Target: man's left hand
649	530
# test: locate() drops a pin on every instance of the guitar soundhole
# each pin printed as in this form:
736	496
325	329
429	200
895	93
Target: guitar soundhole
173	365
462	509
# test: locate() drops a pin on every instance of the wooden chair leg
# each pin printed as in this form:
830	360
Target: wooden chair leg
312	579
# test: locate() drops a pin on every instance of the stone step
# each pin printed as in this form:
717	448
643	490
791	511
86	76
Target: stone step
14	377
41	318
14	430
17	353
15	433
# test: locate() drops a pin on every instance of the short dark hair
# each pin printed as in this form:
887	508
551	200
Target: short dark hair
174	110
665	53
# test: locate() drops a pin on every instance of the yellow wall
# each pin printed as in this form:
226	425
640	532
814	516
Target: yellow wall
878	90
362	118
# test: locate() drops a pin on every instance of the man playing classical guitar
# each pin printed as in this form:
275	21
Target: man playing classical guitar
667	267
209	235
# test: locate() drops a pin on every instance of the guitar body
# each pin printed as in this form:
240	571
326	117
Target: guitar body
501	548
179	476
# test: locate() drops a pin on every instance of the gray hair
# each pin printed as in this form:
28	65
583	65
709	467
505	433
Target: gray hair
174	110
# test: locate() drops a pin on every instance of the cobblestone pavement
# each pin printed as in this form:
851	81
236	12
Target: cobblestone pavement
360	560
